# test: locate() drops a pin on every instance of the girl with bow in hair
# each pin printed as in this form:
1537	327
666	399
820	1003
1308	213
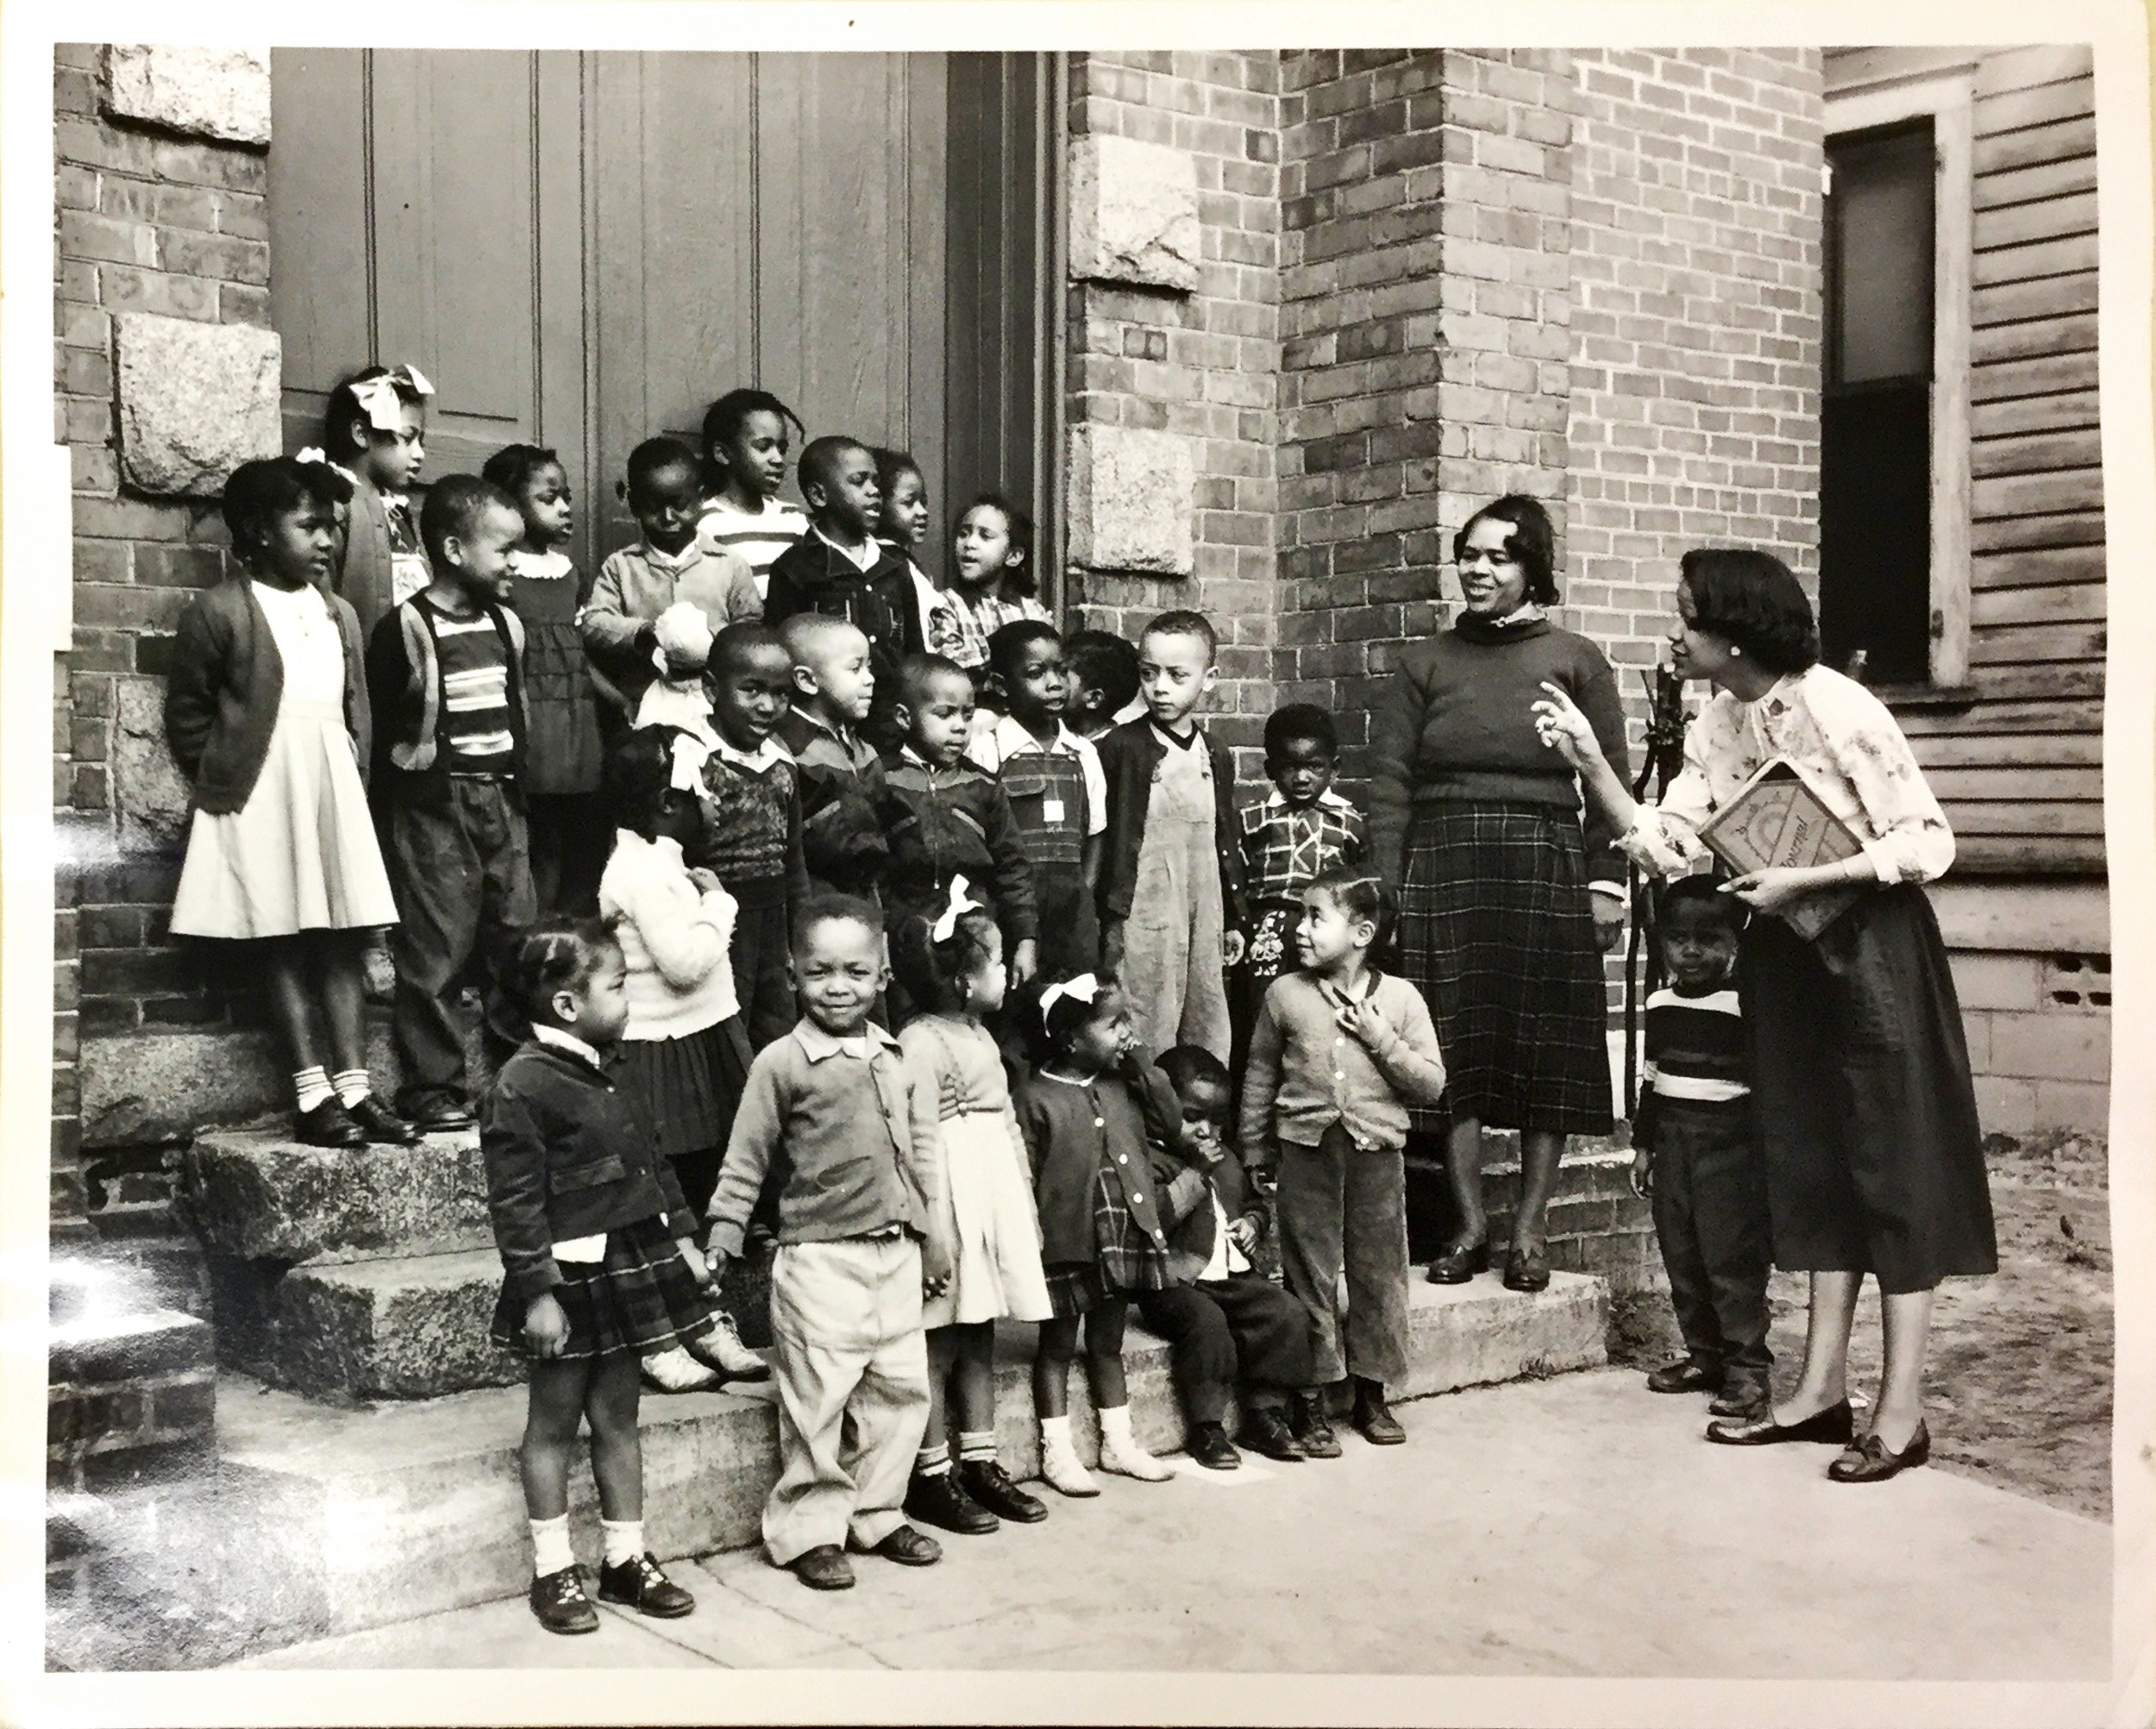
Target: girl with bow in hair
374	430
953	973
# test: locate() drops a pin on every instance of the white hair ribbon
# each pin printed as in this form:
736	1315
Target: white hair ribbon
960	903
379	396
1083	989
690	753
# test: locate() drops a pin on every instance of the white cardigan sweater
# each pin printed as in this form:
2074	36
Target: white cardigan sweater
674	936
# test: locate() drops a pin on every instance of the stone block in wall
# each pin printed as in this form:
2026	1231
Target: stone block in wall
1133	213
202	91
152	797
1133	500
196	401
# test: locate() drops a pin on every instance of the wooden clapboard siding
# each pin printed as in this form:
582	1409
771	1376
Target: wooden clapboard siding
2019	766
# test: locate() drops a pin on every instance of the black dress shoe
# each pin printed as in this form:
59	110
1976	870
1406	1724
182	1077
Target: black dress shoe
824	1568
1313	1430
990	1486
940	1502
1210	1447
378	1122
1868	1461
1458	1266
1266	1431
641	1586
1373	1419
443	1120
1528	1269
1834	1426
1686	1375
559	1601
909	1548
329	1124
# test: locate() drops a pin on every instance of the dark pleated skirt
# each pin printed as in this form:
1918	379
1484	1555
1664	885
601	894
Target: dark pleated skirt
640	1298
1865	1113
1496	931
690	1085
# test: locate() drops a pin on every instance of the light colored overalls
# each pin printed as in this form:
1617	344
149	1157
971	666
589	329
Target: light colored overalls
1174	968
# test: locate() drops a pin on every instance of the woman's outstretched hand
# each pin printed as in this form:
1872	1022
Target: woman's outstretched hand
1561	726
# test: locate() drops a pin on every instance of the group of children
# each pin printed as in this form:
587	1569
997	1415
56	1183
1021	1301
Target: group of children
808	902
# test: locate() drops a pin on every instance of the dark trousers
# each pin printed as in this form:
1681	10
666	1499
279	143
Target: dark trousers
1345	1208
570	836
759	957
1240	1329
1710	1212
1070	928
461	875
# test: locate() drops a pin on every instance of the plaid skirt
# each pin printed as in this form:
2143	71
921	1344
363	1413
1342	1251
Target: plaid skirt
1497	932
639	1299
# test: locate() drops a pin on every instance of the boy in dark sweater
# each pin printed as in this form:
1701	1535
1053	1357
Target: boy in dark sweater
445	681
1696	1159
841	775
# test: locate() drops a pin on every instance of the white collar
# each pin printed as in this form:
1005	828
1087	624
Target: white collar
1014	738
1277	800
756	761
867	559
554	1039
664	847
817	1043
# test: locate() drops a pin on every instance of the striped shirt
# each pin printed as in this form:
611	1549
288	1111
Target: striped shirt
474	731
1695	1044
757	538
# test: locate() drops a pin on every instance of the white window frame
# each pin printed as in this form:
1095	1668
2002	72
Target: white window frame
1946	95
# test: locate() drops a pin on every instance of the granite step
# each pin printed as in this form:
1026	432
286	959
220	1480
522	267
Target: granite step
323	1521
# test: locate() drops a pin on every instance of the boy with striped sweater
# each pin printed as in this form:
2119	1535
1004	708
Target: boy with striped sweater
1696	1160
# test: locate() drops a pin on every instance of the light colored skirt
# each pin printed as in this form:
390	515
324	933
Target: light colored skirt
301	854
996	1262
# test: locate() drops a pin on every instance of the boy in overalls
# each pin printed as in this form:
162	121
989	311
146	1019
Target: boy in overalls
1171	878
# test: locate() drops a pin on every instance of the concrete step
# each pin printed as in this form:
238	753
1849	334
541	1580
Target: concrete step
130	1385
405	1326
258	1195
1597	1223
323	1520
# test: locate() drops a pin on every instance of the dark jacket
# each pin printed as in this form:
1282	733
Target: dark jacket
226	686
403	682
943	822
843	842
1183	1190
813	576
1130	754
1455	722
568	1154
365	579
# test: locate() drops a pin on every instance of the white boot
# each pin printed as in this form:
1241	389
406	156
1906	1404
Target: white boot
673	1370
722	1349
1060	1468
1120	1452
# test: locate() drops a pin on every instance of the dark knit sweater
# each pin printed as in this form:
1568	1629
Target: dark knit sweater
1454	724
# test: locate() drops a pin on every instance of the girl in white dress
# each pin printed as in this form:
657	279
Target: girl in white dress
952	968
265	712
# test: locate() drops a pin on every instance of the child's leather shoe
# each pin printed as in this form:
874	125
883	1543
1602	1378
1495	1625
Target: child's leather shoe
1685	1375
640	1585
1373	1417
558	1600
908	1547
1210	1447
990	1485
939	1499
1313	1428
328	1124
1267	1431
380	1124
824	1568
721	1349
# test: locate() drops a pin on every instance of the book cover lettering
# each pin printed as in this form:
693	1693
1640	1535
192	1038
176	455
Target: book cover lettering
1777	819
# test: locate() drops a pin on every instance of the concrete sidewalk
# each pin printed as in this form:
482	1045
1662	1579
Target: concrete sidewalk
1574	1527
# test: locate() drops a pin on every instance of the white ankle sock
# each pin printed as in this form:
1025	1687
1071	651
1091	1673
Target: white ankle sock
352	1085
931	1462
550	1551
625	1539
312	1085
977	1446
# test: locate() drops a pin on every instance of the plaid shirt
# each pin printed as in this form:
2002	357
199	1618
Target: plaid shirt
1284	849
962	627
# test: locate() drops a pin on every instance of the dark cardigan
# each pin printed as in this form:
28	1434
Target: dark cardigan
1129	755
366	578
1454	722
227	685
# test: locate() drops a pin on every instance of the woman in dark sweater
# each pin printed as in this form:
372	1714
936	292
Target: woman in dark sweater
1505	907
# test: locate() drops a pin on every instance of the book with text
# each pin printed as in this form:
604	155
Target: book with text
1777	818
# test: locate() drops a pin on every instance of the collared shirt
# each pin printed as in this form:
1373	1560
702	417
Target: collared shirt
1307	1071
866	557
840	1123
1227	1260
1285	849
638	583
998	738
976	621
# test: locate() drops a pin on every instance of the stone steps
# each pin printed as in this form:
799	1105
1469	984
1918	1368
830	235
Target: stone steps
323	1520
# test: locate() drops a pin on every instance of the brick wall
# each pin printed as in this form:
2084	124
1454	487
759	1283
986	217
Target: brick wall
1205	364
150	222
1697	274
1424	309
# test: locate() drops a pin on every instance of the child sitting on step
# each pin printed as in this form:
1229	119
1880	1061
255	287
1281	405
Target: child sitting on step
599	1263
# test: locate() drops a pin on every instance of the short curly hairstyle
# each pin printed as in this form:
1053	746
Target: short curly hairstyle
1534	541
1749	600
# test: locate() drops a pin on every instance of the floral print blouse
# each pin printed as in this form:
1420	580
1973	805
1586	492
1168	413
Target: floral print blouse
1828	726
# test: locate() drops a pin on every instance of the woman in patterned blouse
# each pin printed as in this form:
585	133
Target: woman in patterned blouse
1867	1117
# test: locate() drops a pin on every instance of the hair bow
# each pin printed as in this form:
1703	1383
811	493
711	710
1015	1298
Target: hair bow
690	753
378	397
1083	989
960	904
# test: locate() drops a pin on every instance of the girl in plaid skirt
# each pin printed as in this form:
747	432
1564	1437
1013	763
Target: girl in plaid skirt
601	1260
1086	1113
